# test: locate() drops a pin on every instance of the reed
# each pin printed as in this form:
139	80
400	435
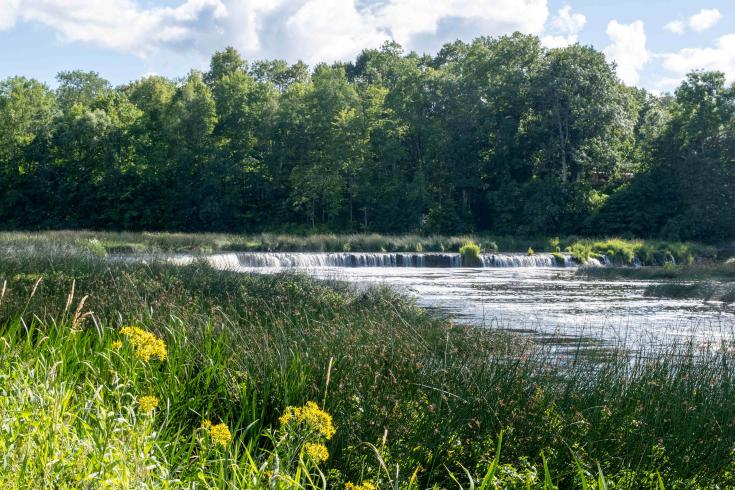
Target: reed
620	251
417	401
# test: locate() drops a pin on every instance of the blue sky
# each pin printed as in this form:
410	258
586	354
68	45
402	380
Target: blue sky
653	42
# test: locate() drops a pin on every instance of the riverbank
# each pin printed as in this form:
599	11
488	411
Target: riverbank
708	282
693	272
91	403
616	250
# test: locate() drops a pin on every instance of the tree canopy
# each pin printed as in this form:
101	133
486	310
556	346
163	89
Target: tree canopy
498	135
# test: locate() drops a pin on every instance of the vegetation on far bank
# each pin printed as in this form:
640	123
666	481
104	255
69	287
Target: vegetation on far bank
724	271
498	135
618	251
129	374
710	281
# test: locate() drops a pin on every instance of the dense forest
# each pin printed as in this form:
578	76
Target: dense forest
498	135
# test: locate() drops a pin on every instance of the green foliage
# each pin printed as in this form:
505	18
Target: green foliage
694	272
242	348
581	251
470	253
498	136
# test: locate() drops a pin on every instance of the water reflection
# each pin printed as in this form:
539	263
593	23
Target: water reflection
551	302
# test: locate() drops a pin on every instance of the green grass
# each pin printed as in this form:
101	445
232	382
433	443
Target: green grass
646	252
694	272
470	253
620	251
416	401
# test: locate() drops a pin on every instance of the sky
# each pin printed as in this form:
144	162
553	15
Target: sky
654	43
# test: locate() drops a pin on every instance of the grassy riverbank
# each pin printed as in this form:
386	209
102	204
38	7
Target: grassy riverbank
416	401
619	251
709	281
695	272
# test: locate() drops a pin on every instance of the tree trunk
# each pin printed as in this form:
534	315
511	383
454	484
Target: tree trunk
562	144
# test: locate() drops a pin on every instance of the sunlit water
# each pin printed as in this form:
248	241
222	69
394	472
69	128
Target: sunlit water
545	302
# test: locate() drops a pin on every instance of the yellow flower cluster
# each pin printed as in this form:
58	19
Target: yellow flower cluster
145	344
219	433
316	419
117	345
148	403
366	485
317	452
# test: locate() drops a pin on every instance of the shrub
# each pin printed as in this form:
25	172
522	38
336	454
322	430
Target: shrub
470	253
580	251
560	259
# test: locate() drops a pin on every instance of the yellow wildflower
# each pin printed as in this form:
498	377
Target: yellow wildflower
148	403
366	485
117	345
310	415
317	452
219	433
145	344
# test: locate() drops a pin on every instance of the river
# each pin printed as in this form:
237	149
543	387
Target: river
535	295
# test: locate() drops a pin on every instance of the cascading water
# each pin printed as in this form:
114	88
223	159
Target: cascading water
517	260
282	260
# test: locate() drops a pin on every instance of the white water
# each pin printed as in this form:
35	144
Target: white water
512	292
256	260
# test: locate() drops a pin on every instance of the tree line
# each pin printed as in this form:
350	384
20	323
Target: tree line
498	135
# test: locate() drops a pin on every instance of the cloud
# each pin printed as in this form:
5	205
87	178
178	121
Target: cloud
720	57
675	26
628	49
407	19
323	30
8	13
122	25
564	28
704	19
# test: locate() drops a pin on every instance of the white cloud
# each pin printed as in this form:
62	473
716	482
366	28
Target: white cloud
721	57
628	49
8	13
310	29
566	21
675	26
405	19
704	19
564	28
121	24
326	30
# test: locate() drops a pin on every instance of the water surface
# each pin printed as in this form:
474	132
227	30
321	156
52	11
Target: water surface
517	293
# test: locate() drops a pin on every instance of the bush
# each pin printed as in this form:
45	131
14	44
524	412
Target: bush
560	259
580	251
470	253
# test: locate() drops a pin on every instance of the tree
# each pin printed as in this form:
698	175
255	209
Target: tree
224	63
80	87
579	115
495	135
27	110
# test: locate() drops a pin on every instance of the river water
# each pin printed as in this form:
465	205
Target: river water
533	295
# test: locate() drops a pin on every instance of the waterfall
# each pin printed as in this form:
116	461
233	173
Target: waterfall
519	260
603	261
280	260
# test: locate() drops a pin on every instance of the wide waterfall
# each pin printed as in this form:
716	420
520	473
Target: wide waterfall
280	260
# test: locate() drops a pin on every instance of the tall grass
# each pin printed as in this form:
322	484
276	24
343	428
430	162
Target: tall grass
695	272
624	252
416	401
